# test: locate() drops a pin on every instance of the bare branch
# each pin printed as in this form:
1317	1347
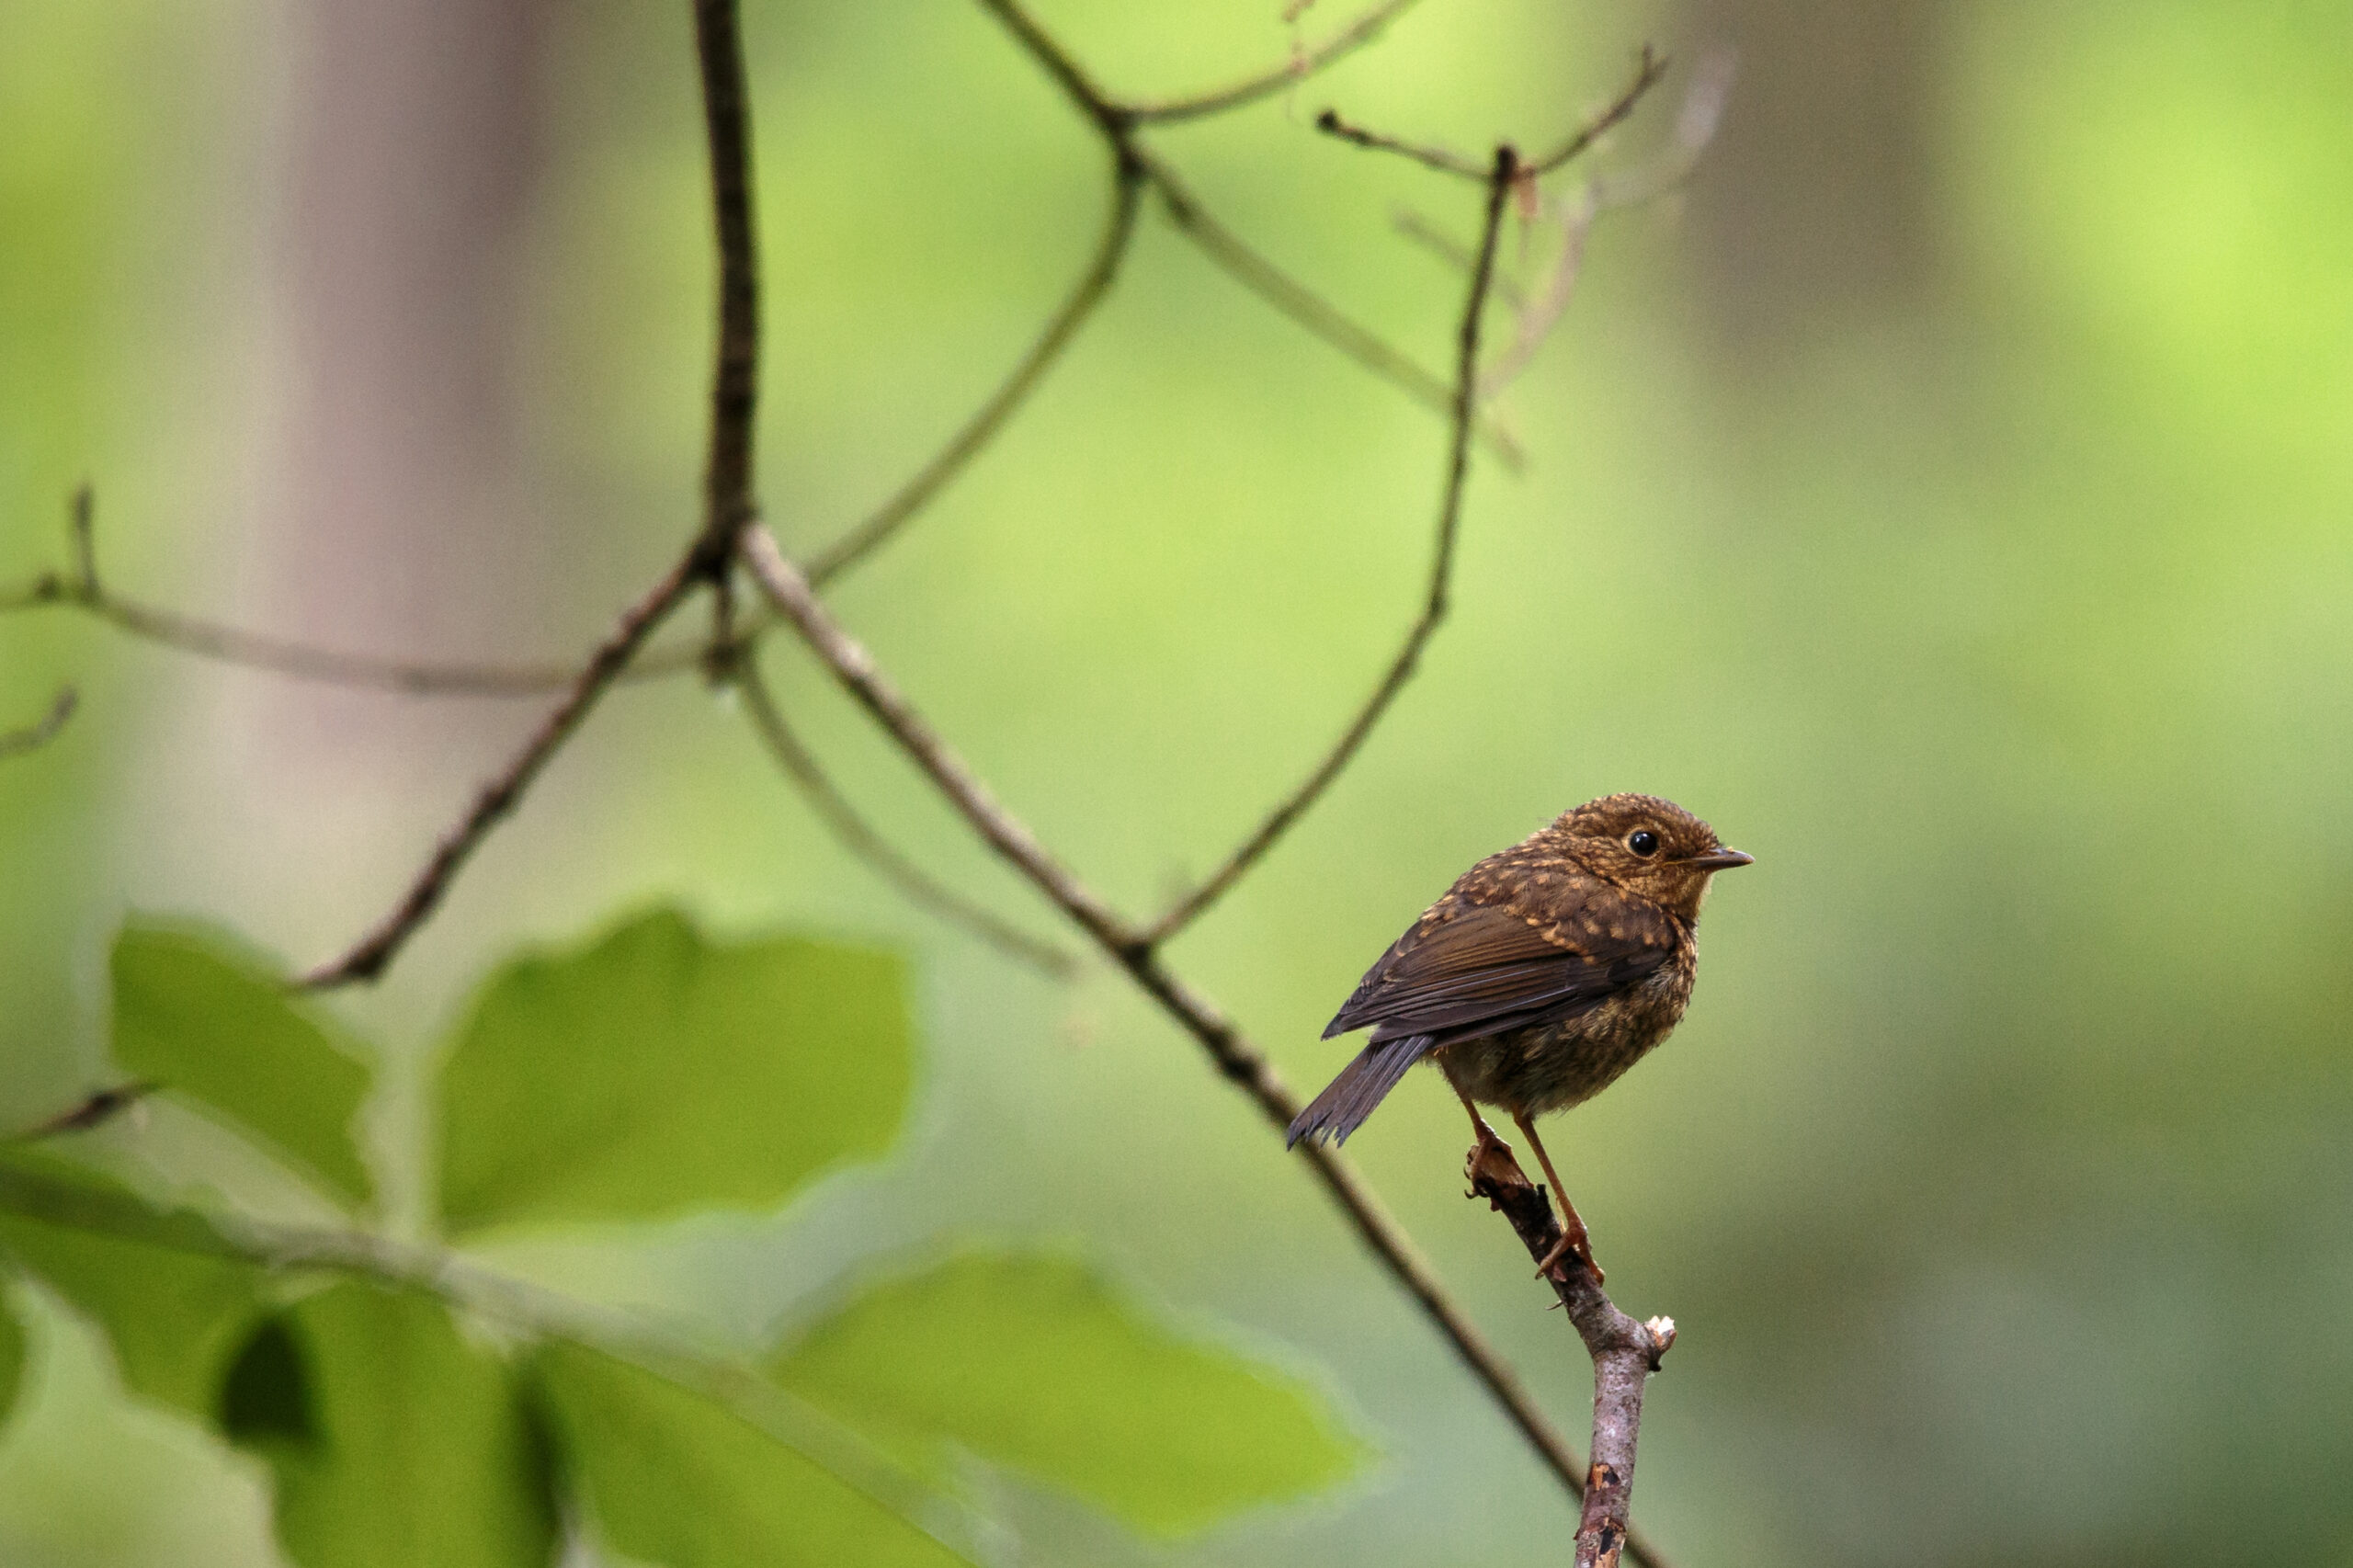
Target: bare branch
1330	123
369	956
1695	125
1090	100
38	733
854	834
1625	1354
1303	64
1231	1052
1433	611
82	590
276	655
1431	238
1649	67
1093	285
1539	316
1310	309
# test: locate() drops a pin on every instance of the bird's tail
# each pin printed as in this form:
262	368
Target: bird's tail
1347	1099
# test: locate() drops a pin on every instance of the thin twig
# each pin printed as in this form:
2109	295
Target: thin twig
1649	67
1431	237
1093	285
93	1109
1330	123
727	1382
1115	122
1118	124
858	837
1232	1054
38	733
367	959
303	661
1538	318
1434	600
81	589
1303	64
1625	1353
1310	309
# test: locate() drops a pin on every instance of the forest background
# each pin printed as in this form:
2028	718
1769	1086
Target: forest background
1945	493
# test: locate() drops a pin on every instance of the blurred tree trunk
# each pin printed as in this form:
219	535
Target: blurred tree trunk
1816	197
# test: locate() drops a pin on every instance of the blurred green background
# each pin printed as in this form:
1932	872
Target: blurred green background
1945	495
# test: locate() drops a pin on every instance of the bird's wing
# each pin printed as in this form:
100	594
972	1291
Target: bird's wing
1470	968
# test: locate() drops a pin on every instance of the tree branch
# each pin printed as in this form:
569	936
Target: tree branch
1250	89
1434	602
1330	123
1234	1056
38	733
81	589
1093	285
368	958
735	370
1649	67
1625	1354
1311	310
854	834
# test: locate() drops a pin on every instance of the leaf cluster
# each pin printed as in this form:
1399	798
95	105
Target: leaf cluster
412	1408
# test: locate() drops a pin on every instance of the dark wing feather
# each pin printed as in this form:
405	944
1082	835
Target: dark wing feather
1467	970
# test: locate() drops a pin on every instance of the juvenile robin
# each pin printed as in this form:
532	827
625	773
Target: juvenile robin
1544	972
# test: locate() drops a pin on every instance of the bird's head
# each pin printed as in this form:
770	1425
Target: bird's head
1651	847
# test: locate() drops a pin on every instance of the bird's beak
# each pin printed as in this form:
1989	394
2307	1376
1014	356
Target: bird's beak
1719	860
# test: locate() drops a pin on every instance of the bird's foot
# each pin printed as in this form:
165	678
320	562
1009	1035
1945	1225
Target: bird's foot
1573	1244
1491	1158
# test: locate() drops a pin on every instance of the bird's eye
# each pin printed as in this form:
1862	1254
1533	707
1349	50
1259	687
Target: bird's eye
1642	841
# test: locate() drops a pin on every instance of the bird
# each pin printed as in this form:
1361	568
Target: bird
1544	972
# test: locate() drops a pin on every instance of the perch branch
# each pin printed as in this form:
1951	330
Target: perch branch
1434	601
859	837
1625	1353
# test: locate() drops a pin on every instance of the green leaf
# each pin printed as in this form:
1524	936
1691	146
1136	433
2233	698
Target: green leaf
1034	1363
654	1072
395	1443
12	1356
159	1282
673	1479
213	1025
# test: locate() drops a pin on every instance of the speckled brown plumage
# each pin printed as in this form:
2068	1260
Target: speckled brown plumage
1544	972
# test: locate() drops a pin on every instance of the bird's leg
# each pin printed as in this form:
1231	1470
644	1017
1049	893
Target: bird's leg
1485	1145
1573	1238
